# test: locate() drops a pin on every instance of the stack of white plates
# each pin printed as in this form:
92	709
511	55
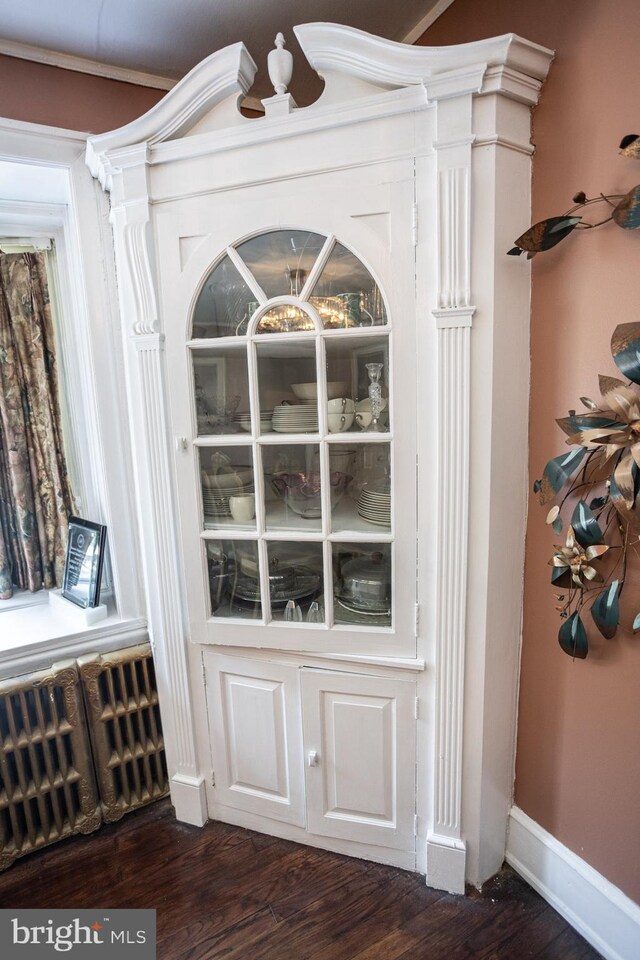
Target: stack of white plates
243	421
347	613
218	487
295	418
215	506
374	504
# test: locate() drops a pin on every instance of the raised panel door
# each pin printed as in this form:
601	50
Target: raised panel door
359	738
254	719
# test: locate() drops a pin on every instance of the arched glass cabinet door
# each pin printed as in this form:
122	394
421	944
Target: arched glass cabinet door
292	386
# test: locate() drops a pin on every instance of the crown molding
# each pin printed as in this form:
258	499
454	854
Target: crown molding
66	61
425	22
225	72
332	47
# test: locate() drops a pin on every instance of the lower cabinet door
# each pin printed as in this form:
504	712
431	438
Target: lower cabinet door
256	741
359	741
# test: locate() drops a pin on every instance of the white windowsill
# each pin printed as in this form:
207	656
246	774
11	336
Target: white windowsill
34	635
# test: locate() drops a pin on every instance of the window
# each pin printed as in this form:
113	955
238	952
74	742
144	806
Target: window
47	194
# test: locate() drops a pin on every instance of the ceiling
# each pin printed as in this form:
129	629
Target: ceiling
168	37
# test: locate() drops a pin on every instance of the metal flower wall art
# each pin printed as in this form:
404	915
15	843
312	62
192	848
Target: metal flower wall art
596	486
624	207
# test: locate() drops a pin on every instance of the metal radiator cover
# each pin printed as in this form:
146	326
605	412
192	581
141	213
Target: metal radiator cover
121	701
47	788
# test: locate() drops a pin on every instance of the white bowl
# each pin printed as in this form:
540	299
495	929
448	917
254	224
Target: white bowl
309	391
339	422
341	405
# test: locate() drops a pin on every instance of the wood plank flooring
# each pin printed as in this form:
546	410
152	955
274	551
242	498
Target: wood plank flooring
223	892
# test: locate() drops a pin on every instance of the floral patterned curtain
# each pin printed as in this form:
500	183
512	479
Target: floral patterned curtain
35	495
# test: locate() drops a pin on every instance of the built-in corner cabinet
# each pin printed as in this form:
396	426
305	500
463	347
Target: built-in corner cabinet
323	337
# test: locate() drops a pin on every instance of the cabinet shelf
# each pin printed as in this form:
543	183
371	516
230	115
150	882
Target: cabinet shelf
346	522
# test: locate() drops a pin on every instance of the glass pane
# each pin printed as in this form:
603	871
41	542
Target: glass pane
226	479
225	304
369	502
288	386
221	385
280	261
292	486
361	364
362	583
234	585
284	318
346	294
296	582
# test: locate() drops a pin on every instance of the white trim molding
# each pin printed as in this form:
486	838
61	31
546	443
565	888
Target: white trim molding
446	848
597	909
439	7
67	61
227	71
331	47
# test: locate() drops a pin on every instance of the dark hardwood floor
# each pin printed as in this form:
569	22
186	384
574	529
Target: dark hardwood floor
223	892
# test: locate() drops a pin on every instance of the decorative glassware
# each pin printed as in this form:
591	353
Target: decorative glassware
375	395
292	612
315	613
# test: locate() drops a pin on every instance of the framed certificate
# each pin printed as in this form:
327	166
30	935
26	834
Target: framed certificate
84	561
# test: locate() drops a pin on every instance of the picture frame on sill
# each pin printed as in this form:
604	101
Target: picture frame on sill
84	562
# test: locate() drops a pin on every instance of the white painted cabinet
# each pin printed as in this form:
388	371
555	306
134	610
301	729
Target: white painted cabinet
328	751
324	560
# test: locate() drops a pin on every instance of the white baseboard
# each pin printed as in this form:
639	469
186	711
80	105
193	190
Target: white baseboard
598	910
446	862
189	799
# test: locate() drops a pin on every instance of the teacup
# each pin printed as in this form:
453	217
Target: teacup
363	412
243	507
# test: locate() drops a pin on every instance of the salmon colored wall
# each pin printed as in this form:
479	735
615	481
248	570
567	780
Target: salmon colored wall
39	93
578	751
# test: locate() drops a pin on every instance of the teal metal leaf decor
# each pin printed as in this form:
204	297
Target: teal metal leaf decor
595	492
572	637
557	472
605	611
625	347
624	211
585	525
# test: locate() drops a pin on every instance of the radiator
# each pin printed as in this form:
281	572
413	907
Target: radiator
47	787
124	724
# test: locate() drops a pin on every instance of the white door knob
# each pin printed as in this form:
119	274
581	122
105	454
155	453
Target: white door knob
312	758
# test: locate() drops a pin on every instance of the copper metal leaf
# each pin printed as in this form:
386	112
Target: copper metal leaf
589	404
546	233
628	514
625	347
605	610
553	513
607	384
630	146
585	526
627	212
572	637
586	421
624	476
557	472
